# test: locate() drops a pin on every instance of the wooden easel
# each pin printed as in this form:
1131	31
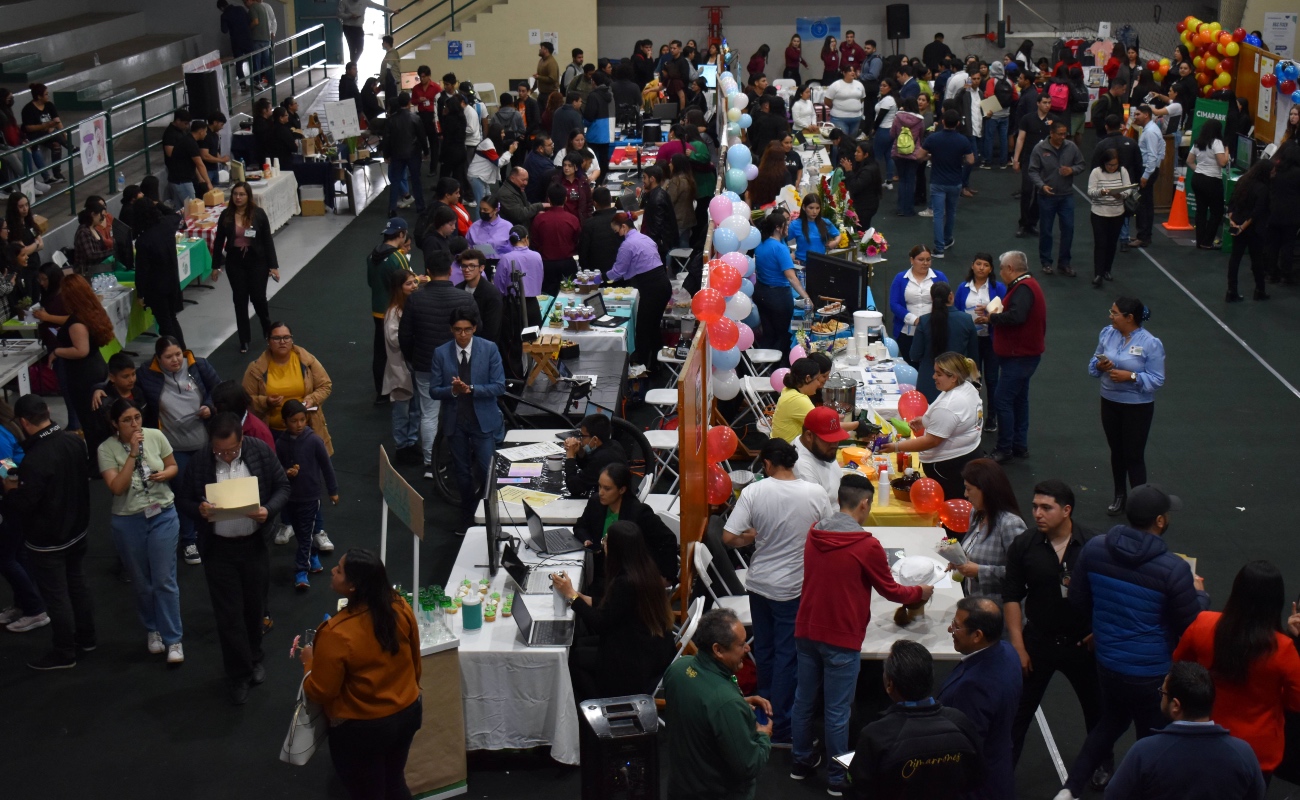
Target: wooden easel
544	350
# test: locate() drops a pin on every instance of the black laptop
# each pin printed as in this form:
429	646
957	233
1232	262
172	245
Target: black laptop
543	632
552	542
532	579
603	319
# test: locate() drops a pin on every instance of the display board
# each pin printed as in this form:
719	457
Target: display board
1251	64
693	407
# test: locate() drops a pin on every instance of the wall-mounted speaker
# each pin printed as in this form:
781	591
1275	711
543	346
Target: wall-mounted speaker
898	24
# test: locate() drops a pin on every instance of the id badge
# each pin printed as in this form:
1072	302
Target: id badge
250	233
1135	350
152	510
1065	583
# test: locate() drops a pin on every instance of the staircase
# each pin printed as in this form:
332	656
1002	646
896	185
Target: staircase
417	24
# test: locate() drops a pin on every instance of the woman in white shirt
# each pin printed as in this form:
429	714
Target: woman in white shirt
947	435
909	297
485	166
578	144
1208	158
882	142
803	112
1106	190
844	99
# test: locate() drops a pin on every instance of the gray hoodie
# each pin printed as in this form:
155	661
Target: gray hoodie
997	71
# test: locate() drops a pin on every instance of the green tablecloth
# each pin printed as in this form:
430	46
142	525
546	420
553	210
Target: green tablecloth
195	263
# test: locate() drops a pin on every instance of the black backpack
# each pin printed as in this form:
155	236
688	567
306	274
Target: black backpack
1002	91
1078	97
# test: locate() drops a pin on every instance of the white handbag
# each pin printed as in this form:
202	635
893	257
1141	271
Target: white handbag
306	731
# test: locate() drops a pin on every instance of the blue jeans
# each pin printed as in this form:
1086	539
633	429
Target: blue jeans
302	516
148	550
995	130
906	186
481	189
1125	699
834	670
13	567
181	192
1049	208
883	145
404	178
943	202
471	453
774	654
188	534
1012	402
262	60
847	124
429	409
406	422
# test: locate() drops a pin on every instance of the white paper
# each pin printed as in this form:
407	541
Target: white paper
341	117
1103	30
94	148
467	47
1264	105
1279	33
234	499
525	451
553	38
534	35
183	264
845	760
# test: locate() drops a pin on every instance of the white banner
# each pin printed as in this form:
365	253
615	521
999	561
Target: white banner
94	147
1279	33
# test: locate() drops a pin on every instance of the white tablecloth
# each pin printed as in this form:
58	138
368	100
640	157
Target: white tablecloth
930	630
118	306
600	340
515	696
888	405
278	197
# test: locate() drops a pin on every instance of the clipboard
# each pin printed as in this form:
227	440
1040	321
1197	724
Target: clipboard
990	105
844	760
233	499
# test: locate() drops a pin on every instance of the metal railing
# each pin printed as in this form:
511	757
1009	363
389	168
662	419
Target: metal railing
453	8
314	37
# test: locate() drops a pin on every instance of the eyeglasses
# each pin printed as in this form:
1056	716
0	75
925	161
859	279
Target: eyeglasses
231	452
132	420
462	329
281	339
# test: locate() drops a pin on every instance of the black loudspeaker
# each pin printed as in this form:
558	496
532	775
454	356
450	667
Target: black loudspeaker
203	95
619	746
898	23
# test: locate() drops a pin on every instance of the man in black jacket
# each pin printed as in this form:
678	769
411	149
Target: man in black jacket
566	118
917	748
766	127
49	500
516	208
425	326
486	296
404	146
598	244
659	220
588	453
236	561
540	167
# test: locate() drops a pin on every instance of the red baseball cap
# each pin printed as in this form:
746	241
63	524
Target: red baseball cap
825	424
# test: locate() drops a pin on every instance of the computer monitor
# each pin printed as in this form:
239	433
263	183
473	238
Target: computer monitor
1245	156
492	519
709	72
828	276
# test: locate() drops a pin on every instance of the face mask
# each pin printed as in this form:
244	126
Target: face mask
587	449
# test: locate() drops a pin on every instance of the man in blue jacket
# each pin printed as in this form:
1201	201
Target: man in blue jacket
468	377
1191	757
1141	598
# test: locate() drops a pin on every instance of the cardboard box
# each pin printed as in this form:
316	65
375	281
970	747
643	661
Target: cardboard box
42	224
311	199
214	197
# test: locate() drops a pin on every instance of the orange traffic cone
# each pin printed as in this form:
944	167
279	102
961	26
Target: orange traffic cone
1178	212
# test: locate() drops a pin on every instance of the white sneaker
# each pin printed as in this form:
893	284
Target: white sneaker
192	555
323	542
925	213
24	624
1065	794
284	534
889	187
155	642
406	202
175	653
10	614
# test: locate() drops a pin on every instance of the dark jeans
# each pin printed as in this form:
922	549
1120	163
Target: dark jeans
1051	208
471	453
1012	402
1049	656
943	202
1209	207
168	325
553	272
404	178
656	290
989	366
1028	197
883	146
601	151
1253	241
1105	241
1124	699
302	516
248	277
1146	213
355	36
13	567
369	755
775	656
831	672
188	534
906	186
948	472
775	310
62	583
904	341
1127	426
239	577
379	355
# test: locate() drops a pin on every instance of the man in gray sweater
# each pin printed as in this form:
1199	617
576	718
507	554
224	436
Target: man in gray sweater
1052	167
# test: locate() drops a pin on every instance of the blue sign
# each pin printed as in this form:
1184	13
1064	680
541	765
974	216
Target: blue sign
453	50
815	29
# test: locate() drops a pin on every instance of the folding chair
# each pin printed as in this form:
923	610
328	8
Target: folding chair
487	92
760	360
702	560
664	446
682	638
664	402
678	258
756	392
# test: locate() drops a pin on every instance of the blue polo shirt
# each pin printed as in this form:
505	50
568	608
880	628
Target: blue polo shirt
771	260
948	151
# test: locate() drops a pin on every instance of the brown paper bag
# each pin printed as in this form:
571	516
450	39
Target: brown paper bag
42	224
214	197
194	207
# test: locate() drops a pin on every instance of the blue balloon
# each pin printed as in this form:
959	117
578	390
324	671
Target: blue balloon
1254	40
727	76
745	121
732	196
1290	70
1295	97
725	359
747	287
905	373
1280	70
892	347
739	157
733	129
736	180
752	319
724	241
752	240
753	265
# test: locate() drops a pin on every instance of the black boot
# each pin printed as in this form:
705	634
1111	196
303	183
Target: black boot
1116	508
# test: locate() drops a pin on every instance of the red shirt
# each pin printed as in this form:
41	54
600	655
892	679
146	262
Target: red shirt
424	97
851	53
1251	711
258	430
555	234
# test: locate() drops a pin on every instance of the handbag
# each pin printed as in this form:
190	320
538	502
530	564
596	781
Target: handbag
1132	201
307	730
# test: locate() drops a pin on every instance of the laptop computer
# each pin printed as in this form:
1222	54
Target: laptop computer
552	542
603	319
665	111
532	579
543	632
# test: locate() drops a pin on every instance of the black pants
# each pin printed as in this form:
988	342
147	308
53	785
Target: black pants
355	36
584	667
62	584
1146	213
1209	207
1049	656
554	271
989	367
1281	243
792	73
656	290
905	348
369	755
922	197
601	151
948	473
248	276
379	357
1127	426
165	315
1105	241
239	577
1028	198
429	124
1124	700
775	310
1253	241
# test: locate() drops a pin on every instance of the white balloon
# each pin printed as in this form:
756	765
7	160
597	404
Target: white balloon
738	307
733	115
726	384
738	225
740	101
751	172
741	208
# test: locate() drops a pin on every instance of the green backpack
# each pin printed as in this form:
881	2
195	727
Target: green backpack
905	144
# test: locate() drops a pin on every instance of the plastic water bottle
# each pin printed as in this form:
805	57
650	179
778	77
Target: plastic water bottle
882	487
97	58
121	182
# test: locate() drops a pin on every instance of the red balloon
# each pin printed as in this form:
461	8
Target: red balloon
1286	86
955	515
1226	65
722	443
912	405
708	305
725	279
991	36
718	485
723	334
1180	27
1153	65
1268	80
927	495
1239	35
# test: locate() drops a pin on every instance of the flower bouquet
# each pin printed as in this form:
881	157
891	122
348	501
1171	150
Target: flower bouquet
952	550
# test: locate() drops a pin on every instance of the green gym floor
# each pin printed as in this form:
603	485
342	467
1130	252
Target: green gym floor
1223	424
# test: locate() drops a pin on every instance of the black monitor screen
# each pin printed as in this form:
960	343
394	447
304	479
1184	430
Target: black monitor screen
840	278
492	520
1245	152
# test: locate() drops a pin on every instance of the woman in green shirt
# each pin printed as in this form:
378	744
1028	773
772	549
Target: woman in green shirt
613	501
136	464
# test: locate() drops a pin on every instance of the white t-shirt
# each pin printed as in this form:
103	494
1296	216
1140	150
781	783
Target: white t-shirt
781	512
1206	161
846	98
825	474
890	105
804	114
957	417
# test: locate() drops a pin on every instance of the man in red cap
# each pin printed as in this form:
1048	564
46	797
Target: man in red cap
816	447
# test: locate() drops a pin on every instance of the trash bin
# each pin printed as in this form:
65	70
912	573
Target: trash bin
620	755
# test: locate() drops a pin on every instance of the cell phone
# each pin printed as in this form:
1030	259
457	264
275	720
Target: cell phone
275	278
760	715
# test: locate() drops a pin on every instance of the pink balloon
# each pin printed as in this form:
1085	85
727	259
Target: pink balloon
719	209
746	339
778	378
737	260
797	352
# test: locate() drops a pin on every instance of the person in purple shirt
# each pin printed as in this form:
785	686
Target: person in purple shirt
489	230
518	258
638	265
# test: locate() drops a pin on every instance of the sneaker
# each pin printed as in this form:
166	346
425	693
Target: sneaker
836	789
192	554
1065	794
991	426
284	535
42	187
155	642
889	187
58	179
10	614
175	654
51	661
1100	778
406	202
300	580
24	624
929	212
799	771
239	693
314	567
428	472
936	255
948	244
323	542
986	166
1001	456
259	674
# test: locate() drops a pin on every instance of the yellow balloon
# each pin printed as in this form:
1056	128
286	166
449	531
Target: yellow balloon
1215	27
1165	63
1223	80
1231	49
1211	63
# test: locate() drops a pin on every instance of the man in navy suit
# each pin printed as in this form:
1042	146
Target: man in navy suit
985	686
468	377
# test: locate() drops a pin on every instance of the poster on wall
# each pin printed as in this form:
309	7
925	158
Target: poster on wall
454	50
1279	33
94	148
816	29
553	38
1264	105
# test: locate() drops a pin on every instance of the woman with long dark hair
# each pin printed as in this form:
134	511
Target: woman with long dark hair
1208	157
758	62
22	228
364	670
1247	222
994	524
830	60
794	59
629	641
802	381
866	182
615	499
682	191
244	248
774	277
946	329
88	243
978	290
157	270
1284	213
772	177
1252	659
397	382
811	232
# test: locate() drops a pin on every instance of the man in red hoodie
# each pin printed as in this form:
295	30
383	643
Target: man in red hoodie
842	563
